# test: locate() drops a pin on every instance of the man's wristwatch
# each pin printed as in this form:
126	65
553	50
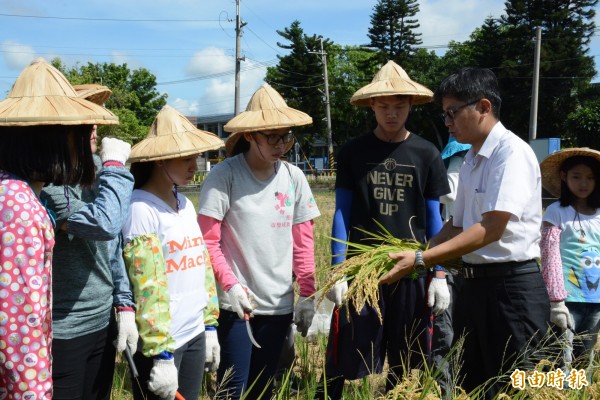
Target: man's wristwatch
419	263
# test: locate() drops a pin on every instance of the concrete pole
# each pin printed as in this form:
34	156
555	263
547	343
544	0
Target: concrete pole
238	59
535	85
327	109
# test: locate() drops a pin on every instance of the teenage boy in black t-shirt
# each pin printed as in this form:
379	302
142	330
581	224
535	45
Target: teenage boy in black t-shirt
395	177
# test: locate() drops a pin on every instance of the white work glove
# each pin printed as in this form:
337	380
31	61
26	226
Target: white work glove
241	299
338	292
213	351
163	378
114	150
303	314
127	332
438	295
559	315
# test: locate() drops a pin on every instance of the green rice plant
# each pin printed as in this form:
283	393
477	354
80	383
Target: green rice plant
284	387
121	388
325	200
412	384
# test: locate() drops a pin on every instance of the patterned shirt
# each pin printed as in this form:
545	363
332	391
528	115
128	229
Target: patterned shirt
27	238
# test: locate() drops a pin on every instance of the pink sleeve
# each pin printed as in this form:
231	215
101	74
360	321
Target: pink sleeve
211	231
304	257
552	263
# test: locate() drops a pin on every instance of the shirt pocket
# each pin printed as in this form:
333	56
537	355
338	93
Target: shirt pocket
479	202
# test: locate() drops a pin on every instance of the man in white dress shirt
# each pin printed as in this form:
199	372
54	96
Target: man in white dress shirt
503	307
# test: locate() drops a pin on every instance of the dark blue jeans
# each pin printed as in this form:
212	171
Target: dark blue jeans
586	317
250	369
189	360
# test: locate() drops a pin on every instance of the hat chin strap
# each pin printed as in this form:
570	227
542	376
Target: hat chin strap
262	155
174	186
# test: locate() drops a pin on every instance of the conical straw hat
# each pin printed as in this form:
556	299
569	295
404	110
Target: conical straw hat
41	95
550	166
172	136
392	80
93	92
266	110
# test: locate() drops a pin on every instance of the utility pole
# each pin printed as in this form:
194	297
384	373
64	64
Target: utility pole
238	58
535	85
323	55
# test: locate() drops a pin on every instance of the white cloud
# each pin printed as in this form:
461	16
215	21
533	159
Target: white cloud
223	91
119	58
217	95
210	61
16	55
442	21
189	108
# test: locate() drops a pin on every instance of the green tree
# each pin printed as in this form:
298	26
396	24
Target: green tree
426	68
298	77
392	30
565	66
135	99
484	48
393	36
129	129
583	124
345	77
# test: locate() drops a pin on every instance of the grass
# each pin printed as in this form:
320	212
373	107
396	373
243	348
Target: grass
309	363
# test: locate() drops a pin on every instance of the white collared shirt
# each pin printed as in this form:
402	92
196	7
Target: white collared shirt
503	176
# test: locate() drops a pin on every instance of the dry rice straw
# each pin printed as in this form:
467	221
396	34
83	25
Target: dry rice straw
366	264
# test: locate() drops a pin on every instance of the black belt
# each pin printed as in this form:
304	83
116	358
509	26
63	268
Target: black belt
499	270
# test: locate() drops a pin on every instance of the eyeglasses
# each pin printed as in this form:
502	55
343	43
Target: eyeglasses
273	139
450	114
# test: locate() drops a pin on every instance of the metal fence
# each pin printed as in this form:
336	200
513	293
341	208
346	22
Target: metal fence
322	176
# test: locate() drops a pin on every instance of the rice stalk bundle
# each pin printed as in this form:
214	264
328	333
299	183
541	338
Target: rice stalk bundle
365	265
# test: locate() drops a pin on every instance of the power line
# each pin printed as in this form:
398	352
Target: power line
217	75
206	105
296	86
299	73
33	53
107	19
262	40
258	16
105	48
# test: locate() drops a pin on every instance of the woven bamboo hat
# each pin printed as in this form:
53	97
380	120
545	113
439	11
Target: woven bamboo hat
172	136
41	95
550	166
391	80
93	92
266	110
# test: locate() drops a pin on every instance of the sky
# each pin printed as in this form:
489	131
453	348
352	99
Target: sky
189	45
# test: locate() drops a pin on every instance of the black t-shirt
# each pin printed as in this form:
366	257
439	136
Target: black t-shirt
389	183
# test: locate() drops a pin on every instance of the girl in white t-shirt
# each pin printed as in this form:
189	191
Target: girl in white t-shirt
167	262
571	247
256	214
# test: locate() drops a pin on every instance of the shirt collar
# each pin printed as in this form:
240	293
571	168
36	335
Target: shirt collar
490	143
